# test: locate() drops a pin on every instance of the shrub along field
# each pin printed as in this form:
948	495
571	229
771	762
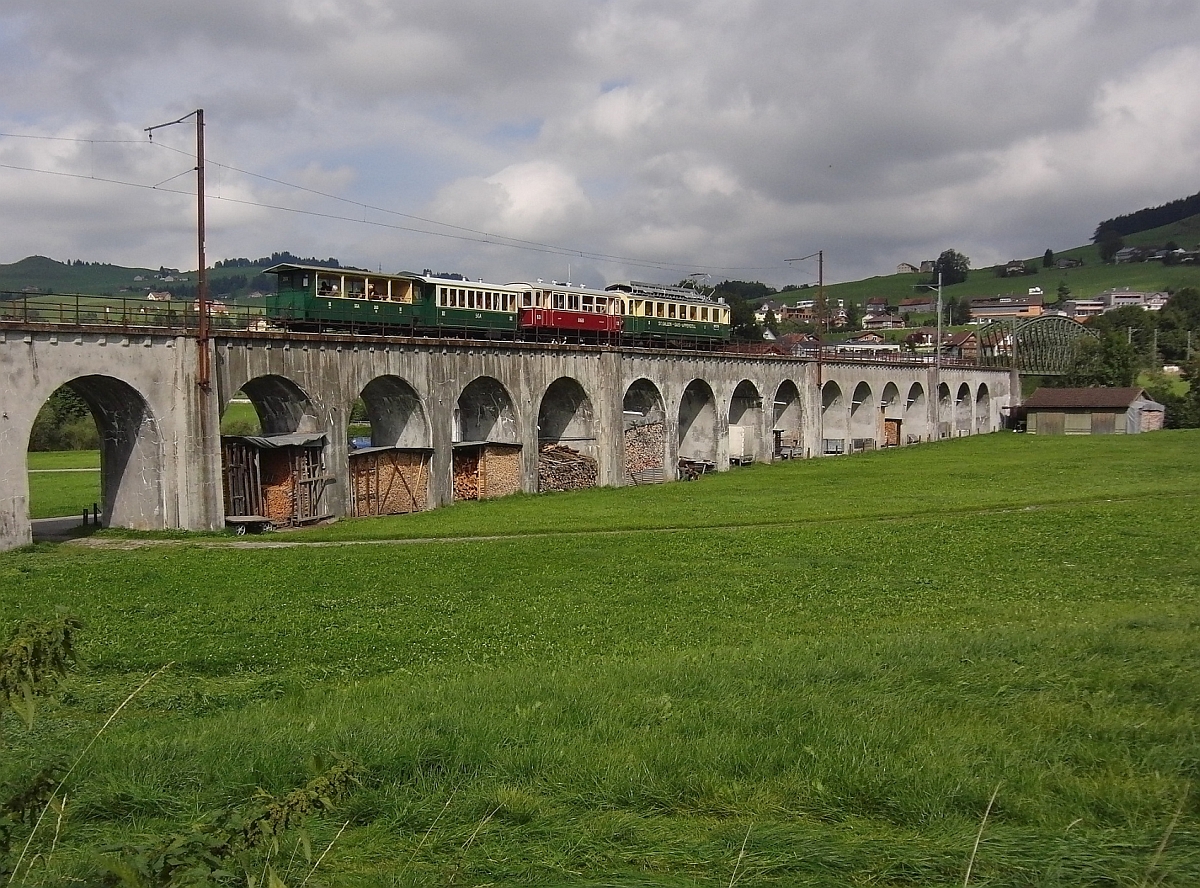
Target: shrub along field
811	673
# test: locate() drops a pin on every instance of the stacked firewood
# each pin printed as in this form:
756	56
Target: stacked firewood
278	487
499	470
561	468
644	447
466	474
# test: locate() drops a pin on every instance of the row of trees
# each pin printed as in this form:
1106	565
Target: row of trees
1151	217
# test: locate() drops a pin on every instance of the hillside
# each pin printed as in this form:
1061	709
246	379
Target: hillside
43	275
1092	278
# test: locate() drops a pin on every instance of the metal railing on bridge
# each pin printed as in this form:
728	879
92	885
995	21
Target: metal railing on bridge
124	312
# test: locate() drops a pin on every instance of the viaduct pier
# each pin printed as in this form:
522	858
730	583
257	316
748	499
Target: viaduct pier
635	413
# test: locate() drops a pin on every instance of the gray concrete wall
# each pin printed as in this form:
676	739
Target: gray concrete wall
162	457
159	454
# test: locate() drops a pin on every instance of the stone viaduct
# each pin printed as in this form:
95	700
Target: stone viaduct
161	454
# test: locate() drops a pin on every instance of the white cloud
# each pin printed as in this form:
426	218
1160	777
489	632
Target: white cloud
696	133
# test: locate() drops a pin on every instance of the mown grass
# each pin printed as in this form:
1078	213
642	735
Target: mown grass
63	459
57	487
992	472
839	680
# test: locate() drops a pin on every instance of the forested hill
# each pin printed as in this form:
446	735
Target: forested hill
228	278
1151	217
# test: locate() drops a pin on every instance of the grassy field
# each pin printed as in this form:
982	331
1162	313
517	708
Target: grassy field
57	488
816	673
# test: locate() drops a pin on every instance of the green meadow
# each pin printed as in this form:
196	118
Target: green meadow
63	482
876	670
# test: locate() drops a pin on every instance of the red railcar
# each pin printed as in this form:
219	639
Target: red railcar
561	320
569	310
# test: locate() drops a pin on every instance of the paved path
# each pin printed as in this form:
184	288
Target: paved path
55	530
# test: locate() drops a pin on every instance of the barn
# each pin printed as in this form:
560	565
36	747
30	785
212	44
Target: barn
1092	411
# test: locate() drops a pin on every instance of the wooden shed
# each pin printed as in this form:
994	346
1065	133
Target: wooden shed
486	469
389	480
275	480
1092	411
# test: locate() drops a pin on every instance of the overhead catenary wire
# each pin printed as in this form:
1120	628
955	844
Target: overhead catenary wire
454	232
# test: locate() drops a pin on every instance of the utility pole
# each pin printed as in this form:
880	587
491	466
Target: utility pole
820	309
937	362
204	374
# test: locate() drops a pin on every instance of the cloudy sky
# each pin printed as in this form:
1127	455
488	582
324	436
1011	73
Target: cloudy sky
604	139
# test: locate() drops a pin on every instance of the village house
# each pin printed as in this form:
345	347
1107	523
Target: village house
883	322
918	305
1008	306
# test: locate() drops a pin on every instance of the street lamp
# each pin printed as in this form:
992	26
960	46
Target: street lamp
937	360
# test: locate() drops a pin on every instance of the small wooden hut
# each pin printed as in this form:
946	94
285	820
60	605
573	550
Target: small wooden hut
276	480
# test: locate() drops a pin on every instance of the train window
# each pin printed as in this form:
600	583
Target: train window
574	301
691	312
560	300
589	303
671	310
527	299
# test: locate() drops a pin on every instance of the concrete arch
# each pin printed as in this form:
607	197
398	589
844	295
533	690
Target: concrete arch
962	410
916	414
890	403
745	419
485	412
566	438
132	459
566	415
697	435
945	411
835	420
644	433
983	409
787	426
282	406
864	418
396	414
394	475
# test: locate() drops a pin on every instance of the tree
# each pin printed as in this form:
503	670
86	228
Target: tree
854	315
1063	291
1048	258
1108	361
1110	243
953	267
959	311
743	326
771	322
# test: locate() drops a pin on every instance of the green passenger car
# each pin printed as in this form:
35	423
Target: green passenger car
317	298
339	298
458	307
662	313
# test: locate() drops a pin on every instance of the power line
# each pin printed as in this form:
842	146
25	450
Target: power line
456	232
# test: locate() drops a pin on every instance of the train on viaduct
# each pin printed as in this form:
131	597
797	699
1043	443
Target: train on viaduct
460	418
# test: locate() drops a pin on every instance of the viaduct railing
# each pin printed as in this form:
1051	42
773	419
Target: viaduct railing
136	313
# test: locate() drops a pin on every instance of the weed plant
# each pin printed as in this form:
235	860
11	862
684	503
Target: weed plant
807	674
